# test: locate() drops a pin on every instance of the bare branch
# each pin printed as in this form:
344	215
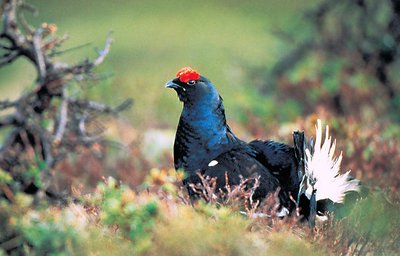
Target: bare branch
7	104
28	28
104	52
40	59
84	134
99	107
10	25
124	105
47	150
62	119
55	53
8	121
9	57
33	109
6	47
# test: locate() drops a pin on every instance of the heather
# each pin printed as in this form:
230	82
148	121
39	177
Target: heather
111	188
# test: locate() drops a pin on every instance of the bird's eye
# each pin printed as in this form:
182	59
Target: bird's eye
191	82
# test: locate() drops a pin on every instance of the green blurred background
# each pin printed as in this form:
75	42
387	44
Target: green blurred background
223	40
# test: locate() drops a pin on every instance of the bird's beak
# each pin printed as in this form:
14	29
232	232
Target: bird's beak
172	84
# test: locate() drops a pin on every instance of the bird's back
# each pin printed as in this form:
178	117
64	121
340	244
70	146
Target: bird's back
281	160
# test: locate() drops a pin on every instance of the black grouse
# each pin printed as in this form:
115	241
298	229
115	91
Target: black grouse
205	144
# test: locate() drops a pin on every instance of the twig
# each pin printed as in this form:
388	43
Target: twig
7	104
82	130
40	59
8	121
99	107
124	105
62	119
6	47
104	52
55	53
9	57
28	139
48	154
29	29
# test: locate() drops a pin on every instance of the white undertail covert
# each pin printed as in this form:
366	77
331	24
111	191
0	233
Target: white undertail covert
322	170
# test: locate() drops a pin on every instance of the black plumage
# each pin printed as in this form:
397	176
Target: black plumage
205	144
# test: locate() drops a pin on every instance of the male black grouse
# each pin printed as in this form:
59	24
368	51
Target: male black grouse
205	144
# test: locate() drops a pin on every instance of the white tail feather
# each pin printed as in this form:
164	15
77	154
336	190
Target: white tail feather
322	170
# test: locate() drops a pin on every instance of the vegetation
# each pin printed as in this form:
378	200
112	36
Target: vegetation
337	64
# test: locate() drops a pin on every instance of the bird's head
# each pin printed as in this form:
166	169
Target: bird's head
191	87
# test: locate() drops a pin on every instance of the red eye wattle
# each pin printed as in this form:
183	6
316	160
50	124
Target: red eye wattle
187	74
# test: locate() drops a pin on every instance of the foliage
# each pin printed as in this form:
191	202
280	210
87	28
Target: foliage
383	219
349	51
134	218
147	213
55	233
157	221
139	222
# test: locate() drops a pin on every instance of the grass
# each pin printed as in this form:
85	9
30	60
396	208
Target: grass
116	220
152	40
223	40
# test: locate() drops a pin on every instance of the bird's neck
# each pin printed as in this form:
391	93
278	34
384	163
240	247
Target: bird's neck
207	121
202	134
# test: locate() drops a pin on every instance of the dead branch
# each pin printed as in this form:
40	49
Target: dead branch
48	100
63	118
